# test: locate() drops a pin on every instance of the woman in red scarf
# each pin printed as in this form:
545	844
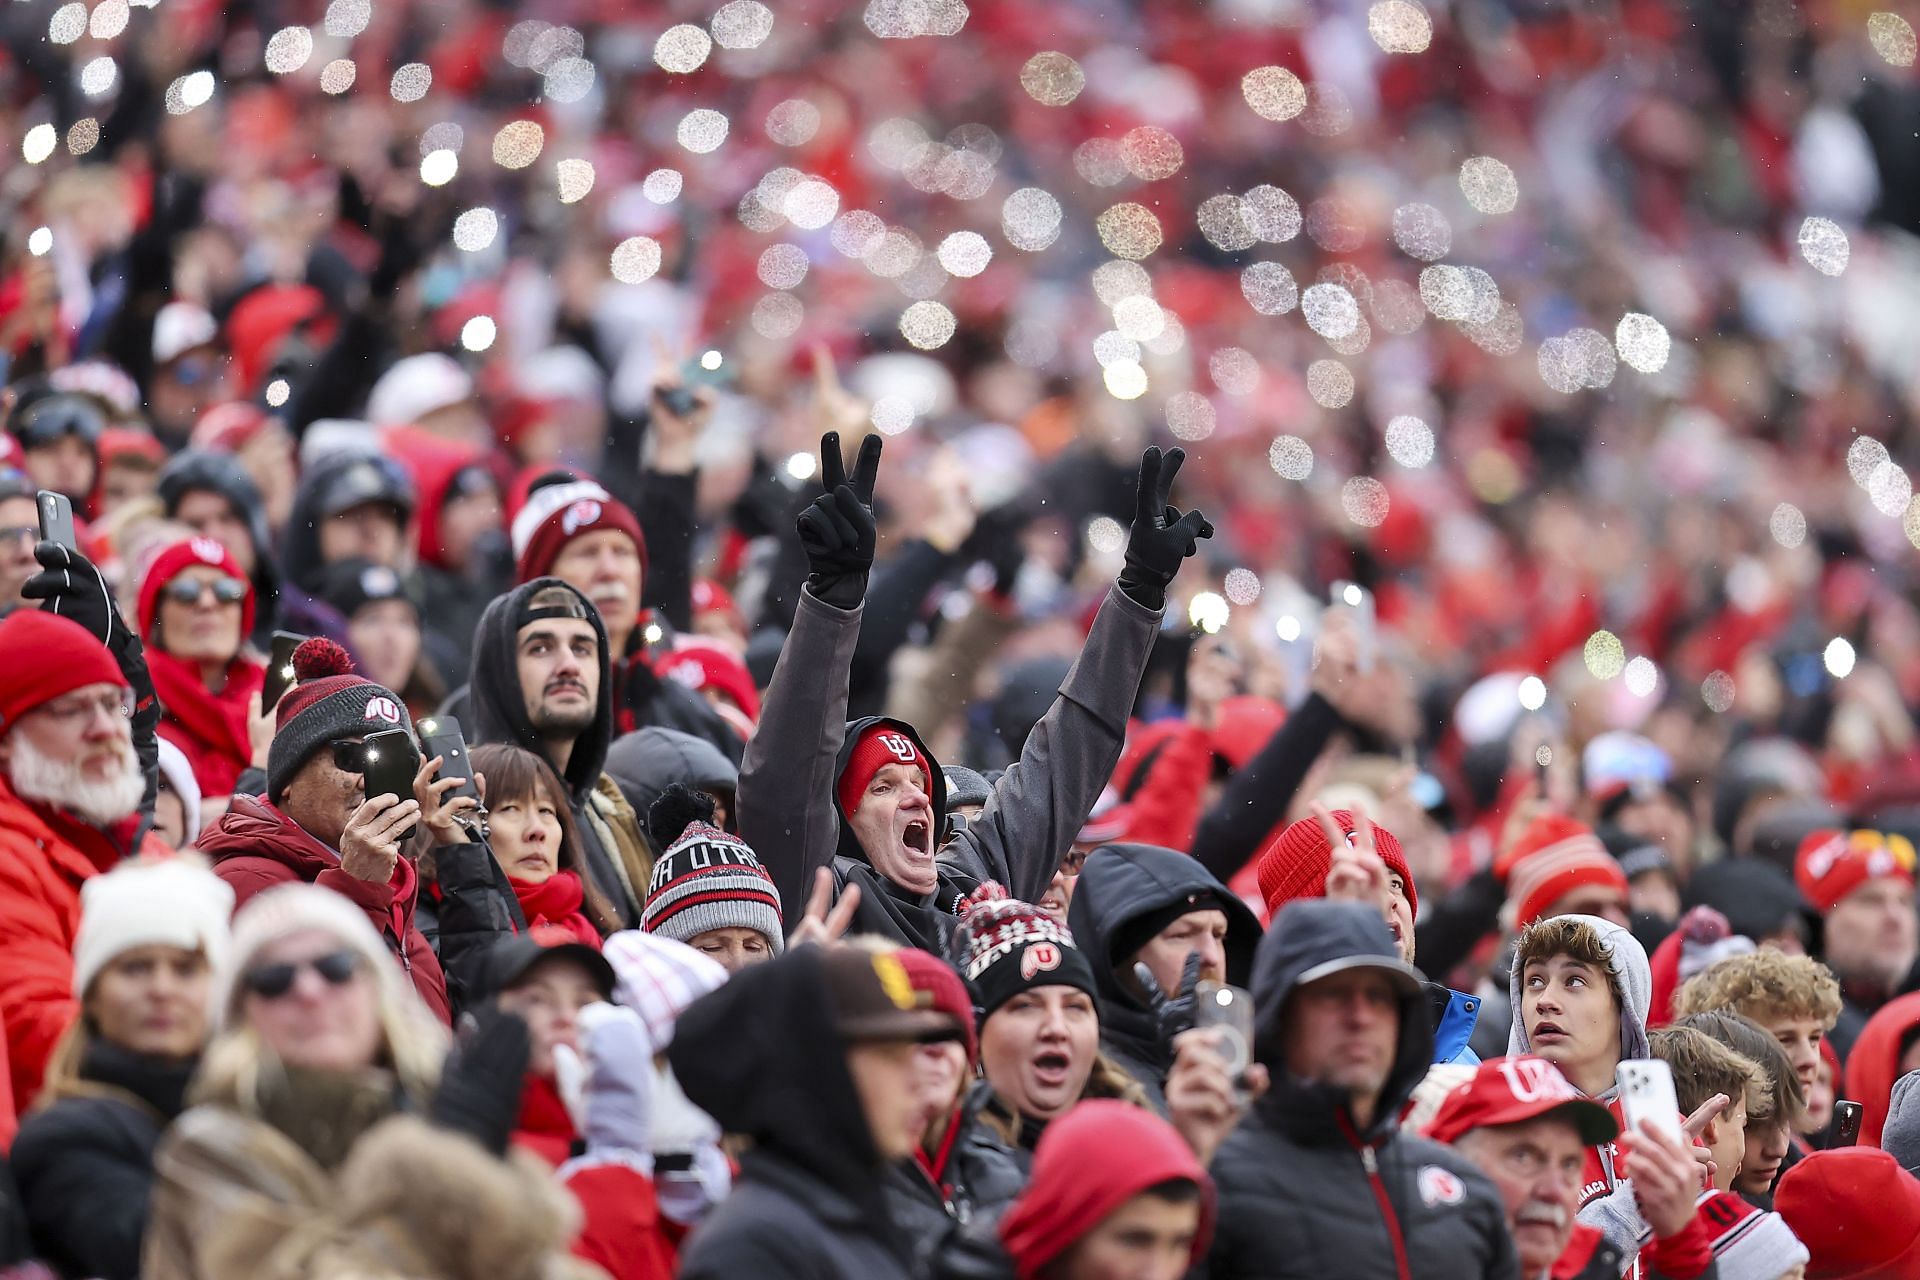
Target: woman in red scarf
530	831
196	608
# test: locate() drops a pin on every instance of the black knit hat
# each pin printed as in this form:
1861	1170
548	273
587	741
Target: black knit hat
1005	946
327	702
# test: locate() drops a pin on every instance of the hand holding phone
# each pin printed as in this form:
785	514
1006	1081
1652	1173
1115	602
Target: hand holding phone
441	738
1229	1008
56	519
391	762
1353	596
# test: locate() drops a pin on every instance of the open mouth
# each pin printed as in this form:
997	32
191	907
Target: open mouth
1548	1033
1051	1068
918	837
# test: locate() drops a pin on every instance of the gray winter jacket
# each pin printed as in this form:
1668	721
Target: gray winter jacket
789	811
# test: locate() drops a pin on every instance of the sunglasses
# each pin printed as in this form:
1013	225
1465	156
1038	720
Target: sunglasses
272	981
191	590
349	756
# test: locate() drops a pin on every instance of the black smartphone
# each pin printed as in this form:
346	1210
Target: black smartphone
279	668
441	737
679	401
392	760
56	520
1846	1124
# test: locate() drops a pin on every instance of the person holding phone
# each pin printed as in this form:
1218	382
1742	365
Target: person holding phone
196	611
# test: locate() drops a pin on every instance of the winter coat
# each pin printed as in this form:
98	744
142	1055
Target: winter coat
614	852
1874	1064
973	1178
760	1056
236	1199
644	763
1306	1192
254	846
209	728
642	697
85	1164
789	805
45	857
1121	885
473	907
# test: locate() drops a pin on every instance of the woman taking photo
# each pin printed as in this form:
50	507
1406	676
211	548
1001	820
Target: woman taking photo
151	934
196	609
327	1139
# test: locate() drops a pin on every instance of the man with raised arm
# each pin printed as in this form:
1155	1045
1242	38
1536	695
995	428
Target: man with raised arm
866	801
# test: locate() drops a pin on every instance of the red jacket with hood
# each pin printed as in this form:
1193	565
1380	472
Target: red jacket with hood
255	846
1874	1063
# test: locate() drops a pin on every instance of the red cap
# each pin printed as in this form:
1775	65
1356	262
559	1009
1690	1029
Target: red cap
1832	864
42	657
1857	1211
702	664
1554	856
177	559
879	745
1295	863
583	515
1510	1090
929	973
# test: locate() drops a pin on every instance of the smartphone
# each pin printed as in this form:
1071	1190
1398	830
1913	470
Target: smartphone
1353	596
56	520
1217	1004
1647	1099
441	737
279	668
392	761
1846	1124
679	401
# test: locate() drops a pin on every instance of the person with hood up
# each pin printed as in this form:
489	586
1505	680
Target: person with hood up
460	537
646	762
1858	1213
316	824
865	803
196	611
351	505
1862	884
540	680
1888	1048
1319	1179
1154	922
814	1057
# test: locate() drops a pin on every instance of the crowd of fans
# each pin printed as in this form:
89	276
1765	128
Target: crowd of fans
744	462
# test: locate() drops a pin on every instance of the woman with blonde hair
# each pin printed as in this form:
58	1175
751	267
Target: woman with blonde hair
329	1137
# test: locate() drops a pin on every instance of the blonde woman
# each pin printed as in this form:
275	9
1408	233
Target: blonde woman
325	1141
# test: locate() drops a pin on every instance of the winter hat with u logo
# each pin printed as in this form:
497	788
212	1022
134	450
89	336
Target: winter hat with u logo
327	702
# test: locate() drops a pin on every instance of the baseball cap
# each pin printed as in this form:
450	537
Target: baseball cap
1511	1090
874	999
511	958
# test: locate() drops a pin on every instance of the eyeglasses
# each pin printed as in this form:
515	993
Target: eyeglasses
193	590
20	533
272	981
349	755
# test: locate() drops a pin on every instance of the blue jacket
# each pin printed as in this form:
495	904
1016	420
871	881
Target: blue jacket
1454	1016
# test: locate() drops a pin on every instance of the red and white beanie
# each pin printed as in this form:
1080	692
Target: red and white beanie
1832	864
557	514
176	560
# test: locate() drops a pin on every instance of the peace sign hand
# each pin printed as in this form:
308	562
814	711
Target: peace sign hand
838	531
1162	536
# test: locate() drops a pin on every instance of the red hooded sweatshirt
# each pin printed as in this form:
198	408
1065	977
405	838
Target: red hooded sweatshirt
1874	1063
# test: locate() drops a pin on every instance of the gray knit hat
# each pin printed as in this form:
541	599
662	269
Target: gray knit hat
708	879
327	701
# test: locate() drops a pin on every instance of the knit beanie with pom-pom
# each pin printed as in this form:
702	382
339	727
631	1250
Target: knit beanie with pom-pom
327	702
706	879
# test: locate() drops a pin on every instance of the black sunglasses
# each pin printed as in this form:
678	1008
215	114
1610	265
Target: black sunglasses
271	981
349	756
190	590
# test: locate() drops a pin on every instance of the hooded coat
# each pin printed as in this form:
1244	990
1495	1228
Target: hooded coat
789	781
1121	889
301	558
497	712
644	763
1304	1190
760	1056
1874	1065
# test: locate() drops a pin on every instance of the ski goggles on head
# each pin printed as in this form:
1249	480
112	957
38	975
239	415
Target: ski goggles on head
45	421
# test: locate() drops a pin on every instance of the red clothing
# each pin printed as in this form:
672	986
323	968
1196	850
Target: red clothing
45	857
211	728
1873	1064
543	1126
254	847
622	1231
555	902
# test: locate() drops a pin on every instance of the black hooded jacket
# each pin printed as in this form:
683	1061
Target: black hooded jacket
300	555
1121	890
647	761
761	1057
1303	1191
496	711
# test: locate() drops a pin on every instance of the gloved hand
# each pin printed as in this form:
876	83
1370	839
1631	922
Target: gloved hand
1162	537
616	1100
479	1093
71	587
1176	1012
838	530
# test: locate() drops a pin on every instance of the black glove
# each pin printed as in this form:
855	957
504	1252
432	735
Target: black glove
1174	1013
70	586
1161	537
998	540
837	531
479	1093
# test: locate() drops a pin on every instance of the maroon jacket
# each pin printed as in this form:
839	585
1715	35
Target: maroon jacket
254	847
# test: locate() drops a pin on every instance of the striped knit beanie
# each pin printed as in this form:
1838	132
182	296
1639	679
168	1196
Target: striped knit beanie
1554	856
708	879
1004	946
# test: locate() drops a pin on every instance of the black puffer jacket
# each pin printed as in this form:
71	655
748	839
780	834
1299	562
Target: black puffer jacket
980	1179
1304	1193
85	1164
1120	888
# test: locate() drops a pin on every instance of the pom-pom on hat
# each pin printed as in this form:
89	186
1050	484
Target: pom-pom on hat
706	879
327	702
1004	947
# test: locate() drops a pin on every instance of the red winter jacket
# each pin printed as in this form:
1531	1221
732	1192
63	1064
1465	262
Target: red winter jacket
254	847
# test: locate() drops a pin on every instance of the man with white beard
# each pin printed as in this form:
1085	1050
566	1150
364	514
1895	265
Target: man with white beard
71	791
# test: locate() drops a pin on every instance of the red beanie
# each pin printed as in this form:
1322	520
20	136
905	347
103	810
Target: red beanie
1554	856
1856	1210
44	656
587	513
702	664
1832	864
1088	1163
177	559
929	973
879	745
1295	863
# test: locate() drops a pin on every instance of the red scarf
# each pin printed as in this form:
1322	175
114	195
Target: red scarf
543	1126
211	728
556	901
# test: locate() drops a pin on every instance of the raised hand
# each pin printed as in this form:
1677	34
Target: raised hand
838	530
68	584
1162	536
1173	1012
826	921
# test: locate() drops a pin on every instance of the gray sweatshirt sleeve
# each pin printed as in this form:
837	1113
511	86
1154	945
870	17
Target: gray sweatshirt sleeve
1616	1216
787	775
1040	803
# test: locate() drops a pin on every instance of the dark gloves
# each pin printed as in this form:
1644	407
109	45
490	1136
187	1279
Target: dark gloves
838	531
479	1093
1162	537
1177	1012
71	587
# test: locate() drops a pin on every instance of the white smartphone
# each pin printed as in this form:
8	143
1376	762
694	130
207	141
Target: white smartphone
1353	596
1647	1099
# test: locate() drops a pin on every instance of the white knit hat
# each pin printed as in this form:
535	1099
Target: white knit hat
178	772
173	902
289	909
